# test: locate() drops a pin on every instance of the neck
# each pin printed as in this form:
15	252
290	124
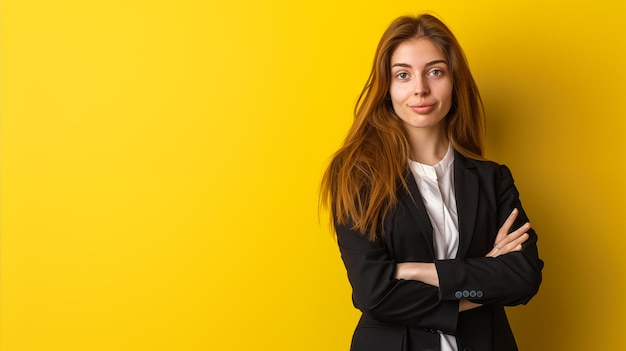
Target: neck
428	146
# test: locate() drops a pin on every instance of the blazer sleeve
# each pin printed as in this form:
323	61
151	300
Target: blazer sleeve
376	293
509	279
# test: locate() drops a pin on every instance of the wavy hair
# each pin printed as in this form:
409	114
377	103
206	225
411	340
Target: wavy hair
360	185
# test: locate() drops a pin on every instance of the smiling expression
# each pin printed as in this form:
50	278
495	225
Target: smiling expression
421	85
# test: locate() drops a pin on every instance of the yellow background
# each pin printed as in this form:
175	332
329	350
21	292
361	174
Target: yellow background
161	159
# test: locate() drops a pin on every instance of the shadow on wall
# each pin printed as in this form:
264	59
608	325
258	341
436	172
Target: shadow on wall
571	207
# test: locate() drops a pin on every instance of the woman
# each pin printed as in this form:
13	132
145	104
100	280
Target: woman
432	235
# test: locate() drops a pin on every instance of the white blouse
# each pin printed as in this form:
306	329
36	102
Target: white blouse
436	185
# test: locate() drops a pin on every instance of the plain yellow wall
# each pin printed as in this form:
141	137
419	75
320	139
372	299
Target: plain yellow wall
161	159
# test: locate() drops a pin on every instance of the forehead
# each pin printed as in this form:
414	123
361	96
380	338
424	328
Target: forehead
417	52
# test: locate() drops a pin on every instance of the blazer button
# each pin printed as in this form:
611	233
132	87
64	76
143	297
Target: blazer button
458	294
479	294
472	293
466	293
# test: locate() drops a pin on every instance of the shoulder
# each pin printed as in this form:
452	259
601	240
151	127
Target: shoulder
485	168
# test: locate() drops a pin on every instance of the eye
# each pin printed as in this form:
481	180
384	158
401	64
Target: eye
436	72
402	75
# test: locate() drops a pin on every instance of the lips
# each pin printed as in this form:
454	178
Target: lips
423	108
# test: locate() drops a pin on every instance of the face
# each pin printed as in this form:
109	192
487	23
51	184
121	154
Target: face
421	85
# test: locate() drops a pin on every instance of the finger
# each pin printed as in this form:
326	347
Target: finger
511	242
506	227
513	245
493	252
514	235
496	250
503	236
516	245
519	231
517	234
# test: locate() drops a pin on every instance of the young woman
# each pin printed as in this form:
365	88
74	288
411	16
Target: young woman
432	235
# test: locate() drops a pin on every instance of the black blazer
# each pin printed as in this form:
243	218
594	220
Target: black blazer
406	315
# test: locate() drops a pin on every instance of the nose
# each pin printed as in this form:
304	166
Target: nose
421	88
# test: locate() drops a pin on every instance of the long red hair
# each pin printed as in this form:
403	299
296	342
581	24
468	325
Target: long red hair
360	185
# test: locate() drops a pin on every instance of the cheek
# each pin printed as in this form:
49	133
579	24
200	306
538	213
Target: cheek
397	93
447	94
450	87
396	101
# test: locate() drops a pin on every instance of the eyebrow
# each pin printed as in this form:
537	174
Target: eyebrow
431	63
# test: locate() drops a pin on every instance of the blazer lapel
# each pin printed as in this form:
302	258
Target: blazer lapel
415	204
466	192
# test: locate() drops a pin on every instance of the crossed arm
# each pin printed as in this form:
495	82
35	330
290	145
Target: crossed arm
425	295
505	242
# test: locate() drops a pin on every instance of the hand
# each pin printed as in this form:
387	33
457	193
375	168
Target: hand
506	242
424	272
465	305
